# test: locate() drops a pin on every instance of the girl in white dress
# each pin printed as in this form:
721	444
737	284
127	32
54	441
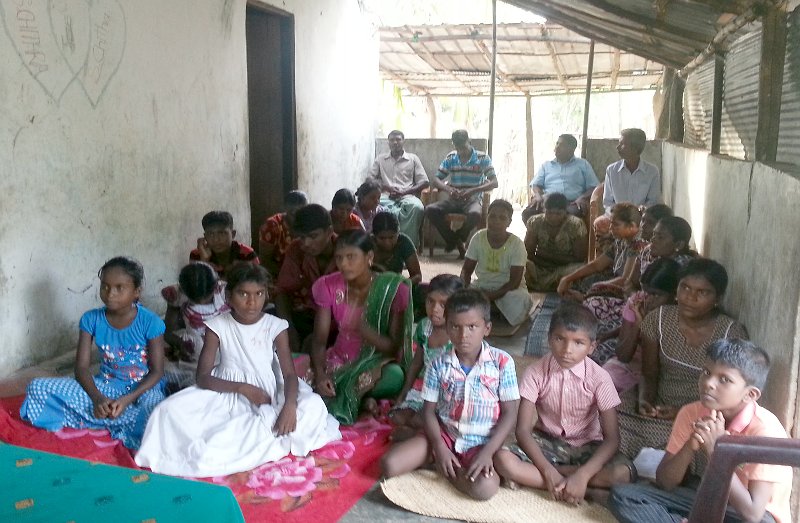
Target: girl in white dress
247	410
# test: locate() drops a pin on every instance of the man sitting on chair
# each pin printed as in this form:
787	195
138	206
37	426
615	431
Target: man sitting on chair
566	174
470	172
402	178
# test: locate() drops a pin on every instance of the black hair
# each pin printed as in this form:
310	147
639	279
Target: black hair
502	204
131	266
295	199
343	196
750	360
242	272
403	136
569	139
197	280
637	138
574	317
678	228
464	300
445	283
658	211
385	221
662	274
369	185
356	238
310	218
217	218
712	271
626	212
460	137
555	201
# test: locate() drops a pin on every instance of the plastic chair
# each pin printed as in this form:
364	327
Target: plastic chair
729	453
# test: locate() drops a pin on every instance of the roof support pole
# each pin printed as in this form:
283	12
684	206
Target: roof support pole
492	85
432	112
529	137
588	97
770	83
716	103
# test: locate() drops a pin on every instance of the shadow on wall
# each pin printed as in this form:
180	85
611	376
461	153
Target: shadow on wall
44	310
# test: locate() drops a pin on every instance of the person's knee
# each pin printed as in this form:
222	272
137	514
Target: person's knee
390	465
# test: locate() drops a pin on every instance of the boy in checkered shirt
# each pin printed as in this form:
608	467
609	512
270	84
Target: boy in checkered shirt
471	399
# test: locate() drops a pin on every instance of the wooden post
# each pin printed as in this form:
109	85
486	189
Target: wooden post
676	123
587	99
529	137
492	85
432	111
716	103
773	54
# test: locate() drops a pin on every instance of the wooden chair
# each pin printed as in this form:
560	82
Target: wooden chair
729	453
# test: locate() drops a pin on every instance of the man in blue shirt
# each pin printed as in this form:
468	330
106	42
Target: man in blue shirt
573	177
470	172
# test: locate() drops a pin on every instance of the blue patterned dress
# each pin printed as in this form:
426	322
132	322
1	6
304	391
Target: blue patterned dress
54	403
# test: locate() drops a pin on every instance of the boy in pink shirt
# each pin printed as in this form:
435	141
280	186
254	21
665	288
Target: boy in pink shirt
730	385
575	442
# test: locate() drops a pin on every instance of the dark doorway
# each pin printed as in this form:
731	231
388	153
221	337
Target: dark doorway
270	88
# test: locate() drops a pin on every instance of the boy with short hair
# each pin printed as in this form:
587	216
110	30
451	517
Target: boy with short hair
217	246
470	404
574	444
734	373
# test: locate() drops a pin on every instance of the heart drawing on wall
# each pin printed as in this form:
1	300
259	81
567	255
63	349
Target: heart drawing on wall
64	41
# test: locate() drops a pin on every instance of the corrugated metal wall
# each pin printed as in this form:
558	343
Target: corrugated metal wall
740	98
697	103
789	133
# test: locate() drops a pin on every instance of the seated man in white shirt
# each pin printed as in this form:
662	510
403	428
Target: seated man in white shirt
402	178
631	179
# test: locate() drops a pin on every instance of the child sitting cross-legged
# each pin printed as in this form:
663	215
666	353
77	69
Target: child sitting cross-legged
730	384
574	444
470	394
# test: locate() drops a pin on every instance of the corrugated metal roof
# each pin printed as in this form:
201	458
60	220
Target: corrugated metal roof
531	58
669	32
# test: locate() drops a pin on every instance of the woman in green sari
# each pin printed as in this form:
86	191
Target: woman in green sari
372	316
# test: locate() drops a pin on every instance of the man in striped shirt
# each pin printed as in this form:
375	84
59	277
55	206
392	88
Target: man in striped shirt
470	172
575	442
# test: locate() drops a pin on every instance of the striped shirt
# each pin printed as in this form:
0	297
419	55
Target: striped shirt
477	171
569	401
468	405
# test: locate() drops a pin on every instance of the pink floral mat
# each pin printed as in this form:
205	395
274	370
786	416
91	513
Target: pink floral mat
320	487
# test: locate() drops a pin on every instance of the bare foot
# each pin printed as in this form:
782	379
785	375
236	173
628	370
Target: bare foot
509	484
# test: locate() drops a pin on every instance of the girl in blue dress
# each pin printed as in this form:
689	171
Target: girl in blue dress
130	339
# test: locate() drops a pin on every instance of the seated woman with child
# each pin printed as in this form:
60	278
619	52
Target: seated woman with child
373	345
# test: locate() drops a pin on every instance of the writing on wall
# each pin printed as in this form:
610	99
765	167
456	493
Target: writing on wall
66	42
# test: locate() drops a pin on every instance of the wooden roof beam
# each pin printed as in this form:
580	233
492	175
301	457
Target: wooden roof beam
428	57
615	68
556	62
500	74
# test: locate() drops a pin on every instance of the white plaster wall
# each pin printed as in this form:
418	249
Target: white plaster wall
744	215
337	90
135	129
